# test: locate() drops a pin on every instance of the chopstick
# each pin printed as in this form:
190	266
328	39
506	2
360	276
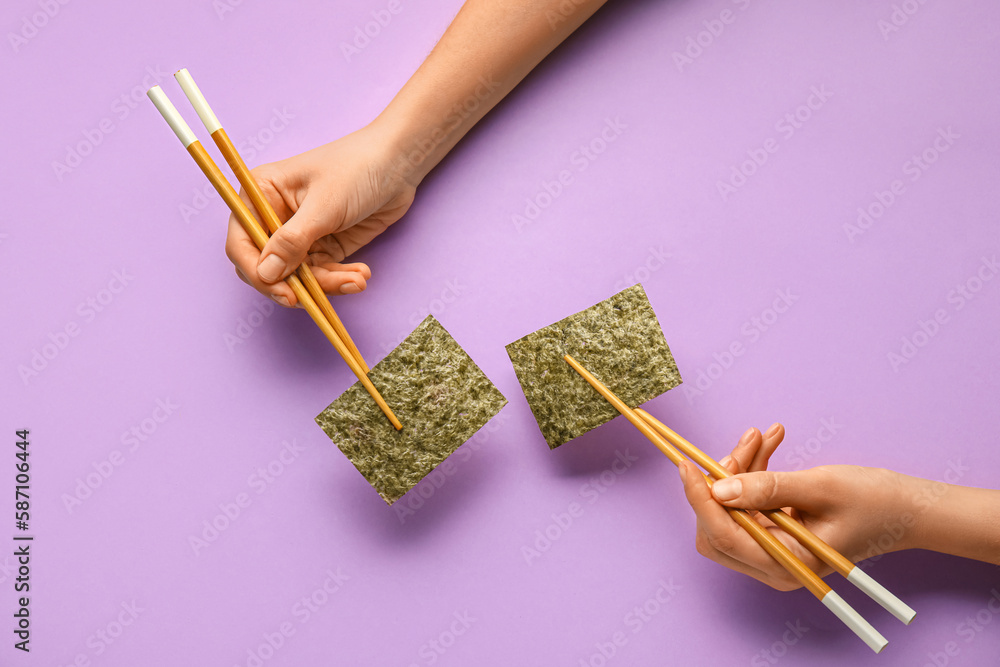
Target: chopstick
777	549
253	229
821	549
260	202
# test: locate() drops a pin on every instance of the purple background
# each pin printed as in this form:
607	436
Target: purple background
647	208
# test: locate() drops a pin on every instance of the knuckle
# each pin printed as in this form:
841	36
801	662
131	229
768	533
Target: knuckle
291	240
723	544
769	488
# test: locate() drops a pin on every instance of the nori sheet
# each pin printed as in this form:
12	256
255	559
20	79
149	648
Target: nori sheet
619	340
439	395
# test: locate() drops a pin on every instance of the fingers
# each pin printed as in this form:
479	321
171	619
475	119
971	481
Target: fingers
719	538
745	450
769	442
772	490
342	278
288	247
243	253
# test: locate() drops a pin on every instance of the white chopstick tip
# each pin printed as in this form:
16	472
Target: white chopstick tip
198	100
878	592
171	115
855	621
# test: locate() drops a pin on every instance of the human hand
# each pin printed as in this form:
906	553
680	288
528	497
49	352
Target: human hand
848	507
332	200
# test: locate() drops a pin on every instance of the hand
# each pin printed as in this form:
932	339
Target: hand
858	511
332	200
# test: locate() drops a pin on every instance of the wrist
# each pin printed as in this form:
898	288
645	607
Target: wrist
411	146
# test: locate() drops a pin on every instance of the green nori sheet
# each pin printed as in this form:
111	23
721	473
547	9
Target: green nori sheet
618	340
439	395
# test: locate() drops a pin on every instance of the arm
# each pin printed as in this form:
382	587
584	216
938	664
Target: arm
338	197
488	49
861	512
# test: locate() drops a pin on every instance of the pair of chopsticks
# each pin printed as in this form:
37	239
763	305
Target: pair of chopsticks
303	282
670	442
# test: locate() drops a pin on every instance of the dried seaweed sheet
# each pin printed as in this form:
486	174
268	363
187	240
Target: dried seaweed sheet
619	340
438	393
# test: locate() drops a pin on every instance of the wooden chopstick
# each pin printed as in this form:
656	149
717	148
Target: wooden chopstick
809	579
253	229
821	549
260	202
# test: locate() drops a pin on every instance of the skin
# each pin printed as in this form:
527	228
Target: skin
337	197
861	512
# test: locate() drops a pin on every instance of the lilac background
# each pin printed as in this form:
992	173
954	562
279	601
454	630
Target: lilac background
652	192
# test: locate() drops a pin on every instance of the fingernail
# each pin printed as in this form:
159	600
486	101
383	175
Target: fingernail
271	269
684	473
726	461
280	300
745	438
349	288
728	488
774	429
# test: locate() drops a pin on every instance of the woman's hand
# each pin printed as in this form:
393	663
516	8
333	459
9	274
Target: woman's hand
332	200
860	512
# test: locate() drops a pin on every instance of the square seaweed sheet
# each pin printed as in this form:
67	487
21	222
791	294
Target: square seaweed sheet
440	396
619	340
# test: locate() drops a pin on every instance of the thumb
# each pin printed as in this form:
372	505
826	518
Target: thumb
287	248
766	490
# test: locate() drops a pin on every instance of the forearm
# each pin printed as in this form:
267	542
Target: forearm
958	520
486	51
